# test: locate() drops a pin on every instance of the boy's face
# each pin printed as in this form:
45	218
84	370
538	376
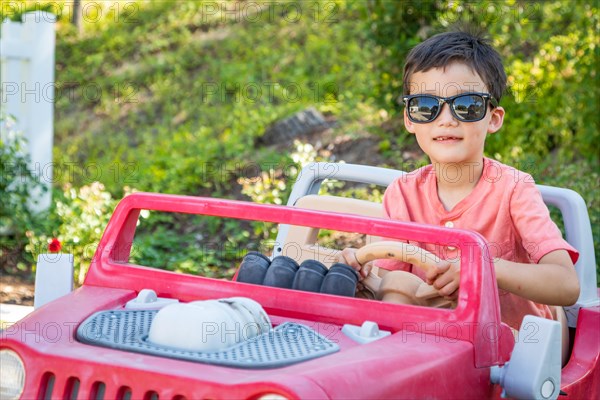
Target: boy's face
446	139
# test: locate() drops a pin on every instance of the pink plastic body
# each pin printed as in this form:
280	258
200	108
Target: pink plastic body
432	353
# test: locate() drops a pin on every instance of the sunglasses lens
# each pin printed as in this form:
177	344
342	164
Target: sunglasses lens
423	108
469	108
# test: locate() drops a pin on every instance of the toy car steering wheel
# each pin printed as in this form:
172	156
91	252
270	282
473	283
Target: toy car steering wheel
401	286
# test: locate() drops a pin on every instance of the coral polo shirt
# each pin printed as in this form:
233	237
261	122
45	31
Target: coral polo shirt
505	207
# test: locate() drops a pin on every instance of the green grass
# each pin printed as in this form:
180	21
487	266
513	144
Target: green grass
172	97
156	102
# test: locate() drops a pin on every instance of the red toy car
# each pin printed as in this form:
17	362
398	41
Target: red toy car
103	339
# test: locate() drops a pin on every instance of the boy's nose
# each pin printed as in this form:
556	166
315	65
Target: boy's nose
446	117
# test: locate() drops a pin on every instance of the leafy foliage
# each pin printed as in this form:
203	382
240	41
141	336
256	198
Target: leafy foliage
173	97
205	246
582	178
550	52
17	185
81	216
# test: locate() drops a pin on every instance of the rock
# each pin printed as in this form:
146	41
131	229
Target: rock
302	123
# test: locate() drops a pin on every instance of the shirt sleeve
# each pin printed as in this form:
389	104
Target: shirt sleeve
539	235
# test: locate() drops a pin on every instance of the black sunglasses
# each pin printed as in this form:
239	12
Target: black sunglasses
466	107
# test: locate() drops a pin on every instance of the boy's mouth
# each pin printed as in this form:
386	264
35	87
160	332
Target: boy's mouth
444	138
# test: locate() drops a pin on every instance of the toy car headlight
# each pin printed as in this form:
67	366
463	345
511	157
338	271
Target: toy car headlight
12	375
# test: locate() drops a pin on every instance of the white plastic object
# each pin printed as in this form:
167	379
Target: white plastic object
53	277
147	300
578	232
366	333
533	371
208	325
312	176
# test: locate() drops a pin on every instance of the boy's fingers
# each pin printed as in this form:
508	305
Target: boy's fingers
442	280
453	296
347	256
433	272
366	269
450	290
341	257
447	283
431	275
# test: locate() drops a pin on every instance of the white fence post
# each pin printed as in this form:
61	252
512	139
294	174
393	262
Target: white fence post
27	90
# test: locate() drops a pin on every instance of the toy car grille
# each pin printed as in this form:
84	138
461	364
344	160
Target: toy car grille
287	344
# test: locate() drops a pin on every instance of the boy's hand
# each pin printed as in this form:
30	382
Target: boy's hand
445	278
348	257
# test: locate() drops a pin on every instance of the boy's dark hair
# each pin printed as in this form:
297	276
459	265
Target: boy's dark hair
472	49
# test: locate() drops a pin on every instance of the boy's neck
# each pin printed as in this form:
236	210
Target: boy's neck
455	181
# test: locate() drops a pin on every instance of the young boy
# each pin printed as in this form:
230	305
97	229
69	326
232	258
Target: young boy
452	84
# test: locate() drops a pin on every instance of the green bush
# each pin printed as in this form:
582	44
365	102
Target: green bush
582	178
191	244
17	184
81	216
554	88
198	91
550	51
163	97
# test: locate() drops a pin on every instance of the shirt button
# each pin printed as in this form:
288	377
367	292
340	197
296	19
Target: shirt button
449	224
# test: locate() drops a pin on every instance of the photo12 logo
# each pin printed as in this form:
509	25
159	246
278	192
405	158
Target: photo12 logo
90	11
269	11
129	12
126	172
267	92
89	92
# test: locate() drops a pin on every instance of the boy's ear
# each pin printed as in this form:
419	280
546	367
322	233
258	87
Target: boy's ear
496	120
408	123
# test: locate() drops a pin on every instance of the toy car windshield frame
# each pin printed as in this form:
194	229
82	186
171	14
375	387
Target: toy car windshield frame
475	319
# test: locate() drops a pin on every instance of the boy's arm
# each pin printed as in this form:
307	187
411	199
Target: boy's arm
552	281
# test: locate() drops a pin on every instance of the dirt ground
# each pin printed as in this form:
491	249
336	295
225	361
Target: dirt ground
16	290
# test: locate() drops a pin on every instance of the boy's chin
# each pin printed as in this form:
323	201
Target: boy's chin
450	159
